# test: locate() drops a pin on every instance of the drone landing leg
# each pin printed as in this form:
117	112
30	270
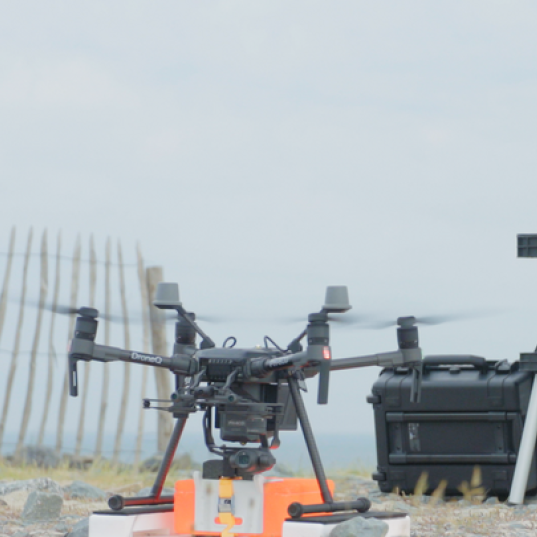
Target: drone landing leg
156	489
310	440
118	502
296	509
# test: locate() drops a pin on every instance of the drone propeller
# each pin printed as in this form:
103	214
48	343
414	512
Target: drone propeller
426	320
204	318
84	311
347	319
62	309
65	310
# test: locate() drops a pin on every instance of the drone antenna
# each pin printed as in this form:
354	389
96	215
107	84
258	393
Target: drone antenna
295	345
167	298
207	342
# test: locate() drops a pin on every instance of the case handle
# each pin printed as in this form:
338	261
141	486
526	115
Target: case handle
456	359
452	458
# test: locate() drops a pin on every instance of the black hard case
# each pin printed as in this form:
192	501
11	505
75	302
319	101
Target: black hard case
471	414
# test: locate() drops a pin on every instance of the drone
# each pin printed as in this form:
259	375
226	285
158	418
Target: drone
249	394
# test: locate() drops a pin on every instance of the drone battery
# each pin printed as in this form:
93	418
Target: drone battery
241	426
468	424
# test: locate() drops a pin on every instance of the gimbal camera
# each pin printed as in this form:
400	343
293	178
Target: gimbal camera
250	394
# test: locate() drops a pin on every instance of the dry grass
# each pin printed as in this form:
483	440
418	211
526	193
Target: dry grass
473	492
113	478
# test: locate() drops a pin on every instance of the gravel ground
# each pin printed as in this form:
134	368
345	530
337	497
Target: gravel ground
428	516
431	518
73	511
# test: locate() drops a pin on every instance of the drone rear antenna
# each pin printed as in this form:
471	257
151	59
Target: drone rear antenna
167	298
336	299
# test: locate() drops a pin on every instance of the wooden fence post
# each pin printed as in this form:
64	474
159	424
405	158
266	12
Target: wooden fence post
158	338
43	289
126	378
104	392
13	365
3	297
74	297
87	370
145	324
51	352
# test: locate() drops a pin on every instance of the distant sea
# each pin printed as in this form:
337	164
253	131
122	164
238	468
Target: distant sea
337	450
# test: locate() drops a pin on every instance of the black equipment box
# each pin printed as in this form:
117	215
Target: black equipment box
471	414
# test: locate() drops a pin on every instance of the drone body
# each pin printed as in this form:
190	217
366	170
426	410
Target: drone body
249	394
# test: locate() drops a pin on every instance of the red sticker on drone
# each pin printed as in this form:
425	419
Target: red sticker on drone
326	353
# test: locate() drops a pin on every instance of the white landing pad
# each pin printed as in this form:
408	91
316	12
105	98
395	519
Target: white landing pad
132	522
158	521
398	525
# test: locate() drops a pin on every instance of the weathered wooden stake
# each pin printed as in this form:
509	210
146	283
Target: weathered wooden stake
13	365
51	351
85	389
64	393
104	392
43	290
5	286
145	324
126	379
162	377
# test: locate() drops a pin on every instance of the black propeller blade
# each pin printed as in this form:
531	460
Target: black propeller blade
347	319
136	317
65	310
88	312
428	320
203	318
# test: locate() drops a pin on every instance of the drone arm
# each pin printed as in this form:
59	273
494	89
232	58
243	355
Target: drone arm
84	349
403	357
262	366
87	350
386	359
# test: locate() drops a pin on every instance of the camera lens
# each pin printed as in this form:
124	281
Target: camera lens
252	460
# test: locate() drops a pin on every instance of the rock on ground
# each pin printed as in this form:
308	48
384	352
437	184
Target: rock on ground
42	506
80	530
81	490
40	456
364	527
41	483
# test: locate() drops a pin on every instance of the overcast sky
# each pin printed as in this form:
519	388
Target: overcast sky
260	151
